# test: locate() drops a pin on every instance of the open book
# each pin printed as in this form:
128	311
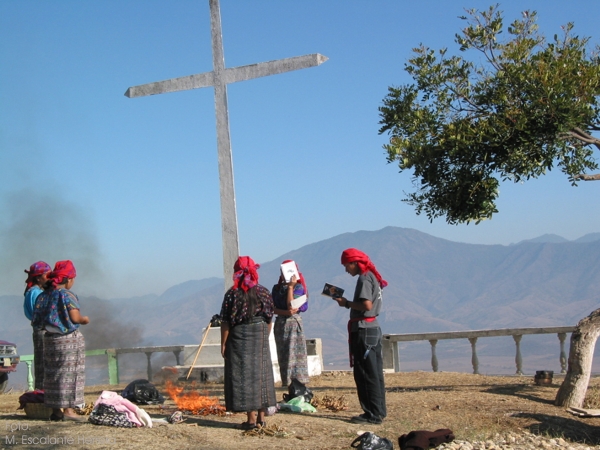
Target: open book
332	291
288	270
298	302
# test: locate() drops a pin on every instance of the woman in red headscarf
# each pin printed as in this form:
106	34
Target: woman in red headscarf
288	331
365	335
57	312
36	279
246	316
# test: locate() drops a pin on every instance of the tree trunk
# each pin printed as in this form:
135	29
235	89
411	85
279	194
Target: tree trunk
583	340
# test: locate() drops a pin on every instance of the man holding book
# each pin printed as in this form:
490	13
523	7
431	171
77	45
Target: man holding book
365	335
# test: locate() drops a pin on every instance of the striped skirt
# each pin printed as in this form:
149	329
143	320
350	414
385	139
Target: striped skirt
38	358
291	349
249	384
64	370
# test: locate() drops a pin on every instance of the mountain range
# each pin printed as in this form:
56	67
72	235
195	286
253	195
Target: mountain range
434	285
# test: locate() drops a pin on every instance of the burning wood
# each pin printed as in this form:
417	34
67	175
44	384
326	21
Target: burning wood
193	402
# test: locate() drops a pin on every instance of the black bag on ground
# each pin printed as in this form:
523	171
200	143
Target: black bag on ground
370	441
142	392
298	389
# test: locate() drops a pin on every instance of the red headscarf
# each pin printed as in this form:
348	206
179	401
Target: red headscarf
364	263
35	270
62	270
302	282
245	275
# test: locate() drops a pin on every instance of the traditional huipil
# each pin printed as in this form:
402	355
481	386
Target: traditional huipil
289	330
36	278
246	314
64	344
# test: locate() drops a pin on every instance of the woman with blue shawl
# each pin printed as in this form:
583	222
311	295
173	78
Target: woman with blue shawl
57	312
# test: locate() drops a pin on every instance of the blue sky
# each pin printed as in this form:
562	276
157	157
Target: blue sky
128	188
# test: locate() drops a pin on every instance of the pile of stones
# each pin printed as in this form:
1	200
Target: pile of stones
524	441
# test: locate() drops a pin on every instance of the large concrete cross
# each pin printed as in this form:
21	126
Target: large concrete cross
219	78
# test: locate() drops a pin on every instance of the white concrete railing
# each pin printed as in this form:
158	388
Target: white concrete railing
209	358
391	358
210	355
185	355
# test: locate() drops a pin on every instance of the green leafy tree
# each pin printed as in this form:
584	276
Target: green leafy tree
521	107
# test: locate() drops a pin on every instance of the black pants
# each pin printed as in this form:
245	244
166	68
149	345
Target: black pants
368	371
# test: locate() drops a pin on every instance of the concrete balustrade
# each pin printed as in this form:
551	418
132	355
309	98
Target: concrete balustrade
208	365
391	356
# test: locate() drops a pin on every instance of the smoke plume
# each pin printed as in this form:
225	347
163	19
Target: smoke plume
41	227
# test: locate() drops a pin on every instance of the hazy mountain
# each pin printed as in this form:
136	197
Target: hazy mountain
591	237
556	239
189	288
434	285
547	239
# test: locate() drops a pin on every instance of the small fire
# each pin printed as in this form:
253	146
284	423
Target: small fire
194	402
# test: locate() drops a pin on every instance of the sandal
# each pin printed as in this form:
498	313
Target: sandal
247	426
261	424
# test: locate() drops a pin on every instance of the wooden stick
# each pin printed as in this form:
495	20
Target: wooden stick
198	352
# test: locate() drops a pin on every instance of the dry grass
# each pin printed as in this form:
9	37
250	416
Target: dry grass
592	398
475	407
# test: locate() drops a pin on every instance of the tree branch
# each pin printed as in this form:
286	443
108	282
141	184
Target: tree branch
585	177
581	135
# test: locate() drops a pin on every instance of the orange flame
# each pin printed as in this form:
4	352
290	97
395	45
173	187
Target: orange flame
193	401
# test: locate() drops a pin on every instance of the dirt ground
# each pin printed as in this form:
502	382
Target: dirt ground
475	407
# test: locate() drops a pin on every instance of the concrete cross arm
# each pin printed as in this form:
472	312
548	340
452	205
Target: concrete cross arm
232	75
200	80
264	69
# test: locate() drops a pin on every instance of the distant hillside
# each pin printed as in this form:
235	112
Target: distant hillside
556	239
434	285
591	237
547	239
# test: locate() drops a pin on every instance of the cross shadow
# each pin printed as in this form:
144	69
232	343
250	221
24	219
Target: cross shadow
205	422
318	415
561	427
392	389
526	392
216	423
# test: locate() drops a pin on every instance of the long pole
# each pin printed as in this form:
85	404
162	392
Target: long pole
198	352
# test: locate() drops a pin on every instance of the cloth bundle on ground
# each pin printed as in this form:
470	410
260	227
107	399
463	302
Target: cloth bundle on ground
36	396
109	416
370	441
142	392
422	439
113	410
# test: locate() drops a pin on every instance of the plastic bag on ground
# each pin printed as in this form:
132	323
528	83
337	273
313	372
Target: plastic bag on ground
297	404
370	441
298	389
142	392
